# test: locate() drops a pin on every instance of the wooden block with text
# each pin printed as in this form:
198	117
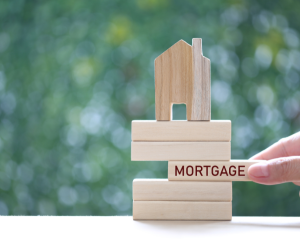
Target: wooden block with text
164	190
234	170
181	131
164	151
181	210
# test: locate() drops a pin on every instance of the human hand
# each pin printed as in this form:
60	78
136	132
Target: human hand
282	165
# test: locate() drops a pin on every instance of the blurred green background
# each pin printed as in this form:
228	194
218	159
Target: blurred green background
74	74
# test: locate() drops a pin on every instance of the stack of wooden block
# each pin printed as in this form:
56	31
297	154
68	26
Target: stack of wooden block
195	149
191	146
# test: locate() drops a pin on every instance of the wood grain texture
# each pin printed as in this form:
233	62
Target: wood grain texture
164	190
182	75
173	75
181	210
234	170
164	151
200	108
210	131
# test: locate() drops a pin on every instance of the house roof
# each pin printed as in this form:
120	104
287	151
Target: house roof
180	42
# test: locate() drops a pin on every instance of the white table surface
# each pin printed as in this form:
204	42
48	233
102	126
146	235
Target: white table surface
125	228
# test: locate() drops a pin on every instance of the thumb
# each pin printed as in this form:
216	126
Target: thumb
276	171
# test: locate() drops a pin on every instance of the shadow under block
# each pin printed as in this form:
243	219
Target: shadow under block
182	75
181	131
164	151
233	170
164	190
175	210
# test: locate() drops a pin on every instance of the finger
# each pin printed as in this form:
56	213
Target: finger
276	171
297	183
283	148
274	151
291	144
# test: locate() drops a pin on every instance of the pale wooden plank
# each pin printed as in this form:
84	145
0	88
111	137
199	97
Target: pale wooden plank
164	190
206	92
164	151
177	210
200	109
234	170
167	131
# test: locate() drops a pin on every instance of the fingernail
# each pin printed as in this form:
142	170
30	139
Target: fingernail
259	170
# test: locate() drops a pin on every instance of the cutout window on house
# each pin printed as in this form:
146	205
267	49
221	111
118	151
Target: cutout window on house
179	112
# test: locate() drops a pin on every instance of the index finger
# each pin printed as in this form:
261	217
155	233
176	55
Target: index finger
285	147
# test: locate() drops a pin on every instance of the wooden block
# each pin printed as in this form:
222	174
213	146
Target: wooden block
176	210
173	75
181	131
201	109
164	151
234	170
164	190
179	79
